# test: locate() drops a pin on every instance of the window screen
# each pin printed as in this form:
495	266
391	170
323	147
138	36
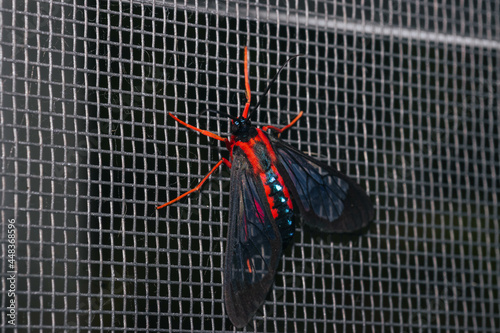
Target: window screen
403	96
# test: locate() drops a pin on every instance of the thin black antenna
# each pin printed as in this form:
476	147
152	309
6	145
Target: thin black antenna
221	113
272	82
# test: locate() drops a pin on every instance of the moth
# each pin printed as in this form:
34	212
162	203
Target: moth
271	184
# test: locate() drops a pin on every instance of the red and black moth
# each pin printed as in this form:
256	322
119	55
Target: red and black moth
271	184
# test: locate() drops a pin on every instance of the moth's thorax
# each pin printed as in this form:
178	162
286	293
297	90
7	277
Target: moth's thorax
262	157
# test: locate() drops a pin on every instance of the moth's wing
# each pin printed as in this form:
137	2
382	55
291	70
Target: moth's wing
327	199
253	245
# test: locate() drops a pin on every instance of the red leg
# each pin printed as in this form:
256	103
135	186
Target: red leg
247	86
207	133
197	188
281	130
247	81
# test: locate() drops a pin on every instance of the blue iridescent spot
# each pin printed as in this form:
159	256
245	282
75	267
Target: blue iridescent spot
274	190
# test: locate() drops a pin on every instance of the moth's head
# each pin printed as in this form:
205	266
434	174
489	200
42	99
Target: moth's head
242	128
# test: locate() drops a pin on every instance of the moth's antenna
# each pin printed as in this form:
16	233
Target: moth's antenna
272	82
221	113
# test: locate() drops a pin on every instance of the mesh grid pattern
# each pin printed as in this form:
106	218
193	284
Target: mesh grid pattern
401	96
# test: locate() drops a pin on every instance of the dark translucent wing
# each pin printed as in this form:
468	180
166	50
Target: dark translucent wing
254	244
327	199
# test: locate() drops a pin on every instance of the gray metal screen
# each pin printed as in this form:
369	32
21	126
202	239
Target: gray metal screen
402	96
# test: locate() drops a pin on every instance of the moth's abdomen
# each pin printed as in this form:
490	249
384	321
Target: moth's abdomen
261	156
279	202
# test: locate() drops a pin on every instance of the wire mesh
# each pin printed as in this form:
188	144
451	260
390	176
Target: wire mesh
401	96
